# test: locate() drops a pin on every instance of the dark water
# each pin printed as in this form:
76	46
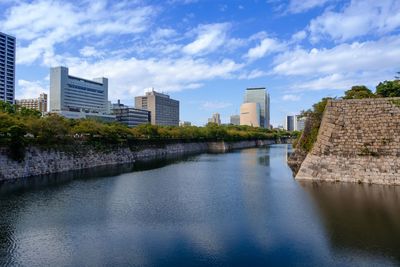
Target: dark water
237	209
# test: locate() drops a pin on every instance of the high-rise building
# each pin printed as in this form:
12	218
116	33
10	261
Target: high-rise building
295	123
250	114
216	118
75	97
185	123
39	103
7	68
164	110
260	95
235	119
289	123
130	116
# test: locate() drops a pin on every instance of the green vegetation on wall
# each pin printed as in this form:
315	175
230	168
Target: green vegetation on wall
307	139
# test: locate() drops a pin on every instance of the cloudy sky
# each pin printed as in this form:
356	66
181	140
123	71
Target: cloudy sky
206	52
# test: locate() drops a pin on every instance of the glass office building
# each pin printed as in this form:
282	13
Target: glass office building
7	68
260	95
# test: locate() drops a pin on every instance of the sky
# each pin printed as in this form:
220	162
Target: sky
205	53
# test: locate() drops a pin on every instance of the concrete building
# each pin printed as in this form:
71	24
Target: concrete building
216	118
185	123
250	114
130	116
295	123
235	119
164	110
75	97
39	103
260	95
7	68
300	123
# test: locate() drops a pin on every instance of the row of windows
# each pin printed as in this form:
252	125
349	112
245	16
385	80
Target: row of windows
78	94
85	88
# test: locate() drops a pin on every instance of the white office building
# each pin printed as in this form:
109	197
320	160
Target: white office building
75	97
260	95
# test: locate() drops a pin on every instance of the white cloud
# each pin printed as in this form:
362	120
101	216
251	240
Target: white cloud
383	54
212	105
208	38
41	25
89	51
129	77
265	47
256	73
299	36
359	18
29	89
291	97
299	6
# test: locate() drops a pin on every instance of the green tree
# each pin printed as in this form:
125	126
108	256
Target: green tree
388	89
358	92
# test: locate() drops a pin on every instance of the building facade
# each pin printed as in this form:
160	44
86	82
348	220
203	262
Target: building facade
289	123
216	118
7	68
130	116
250	114
73	94
260	95
235	120
295	123
39	103
164	110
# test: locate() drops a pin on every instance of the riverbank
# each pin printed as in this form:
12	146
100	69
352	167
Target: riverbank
42	161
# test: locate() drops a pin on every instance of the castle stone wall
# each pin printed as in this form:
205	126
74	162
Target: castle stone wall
358	141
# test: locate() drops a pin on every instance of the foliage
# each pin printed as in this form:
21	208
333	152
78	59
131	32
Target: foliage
388	89
20	127
358	92
314	117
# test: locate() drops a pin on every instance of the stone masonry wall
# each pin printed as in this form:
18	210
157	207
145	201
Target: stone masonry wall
358	141
41	161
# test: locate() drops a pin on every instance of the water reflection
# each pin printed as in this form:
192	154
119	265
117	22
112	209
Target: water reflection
363	218
238	209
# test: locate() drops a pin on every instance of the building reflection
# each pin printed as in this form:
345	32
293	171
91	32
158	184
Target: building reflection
357	217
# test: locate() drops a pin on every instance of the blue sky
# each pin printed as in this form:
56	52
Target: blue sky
205	53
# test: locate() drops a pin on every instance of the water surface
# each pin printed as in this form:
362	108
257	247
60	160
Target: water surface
237	209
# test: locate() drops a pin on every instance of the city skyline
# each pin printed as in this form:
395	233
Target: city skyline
207	59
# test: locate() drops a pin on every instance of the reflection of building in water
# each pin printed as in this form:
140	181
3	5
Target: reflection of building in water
361	217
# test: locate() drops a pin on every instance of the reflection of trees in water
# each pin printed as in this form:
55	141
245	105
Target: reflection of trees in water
360	217
264	160
57	179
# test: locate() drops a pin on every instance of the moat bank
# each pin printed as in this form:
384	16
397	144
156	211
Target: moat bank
41	161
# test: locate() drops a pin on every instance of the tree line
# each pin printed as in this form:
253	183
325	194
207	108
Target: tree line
20	127
306	140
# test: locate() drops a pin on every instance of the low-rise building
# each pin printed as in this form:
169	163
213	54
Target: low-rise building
130	116
235	120
39	103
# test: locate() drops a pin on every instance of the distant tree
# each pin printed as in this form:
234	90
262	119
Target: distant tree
388	89
358	92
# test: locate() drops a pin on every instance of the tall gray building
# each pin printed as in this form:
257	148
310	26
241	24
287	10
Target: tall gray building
7	68
260	95
73	94
164	110
290	123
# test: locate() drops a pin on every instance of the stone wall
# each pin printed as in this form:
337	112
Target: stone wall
358	141
45	161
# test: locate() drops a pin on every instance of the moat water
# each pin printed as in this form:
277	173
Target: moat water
237	209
